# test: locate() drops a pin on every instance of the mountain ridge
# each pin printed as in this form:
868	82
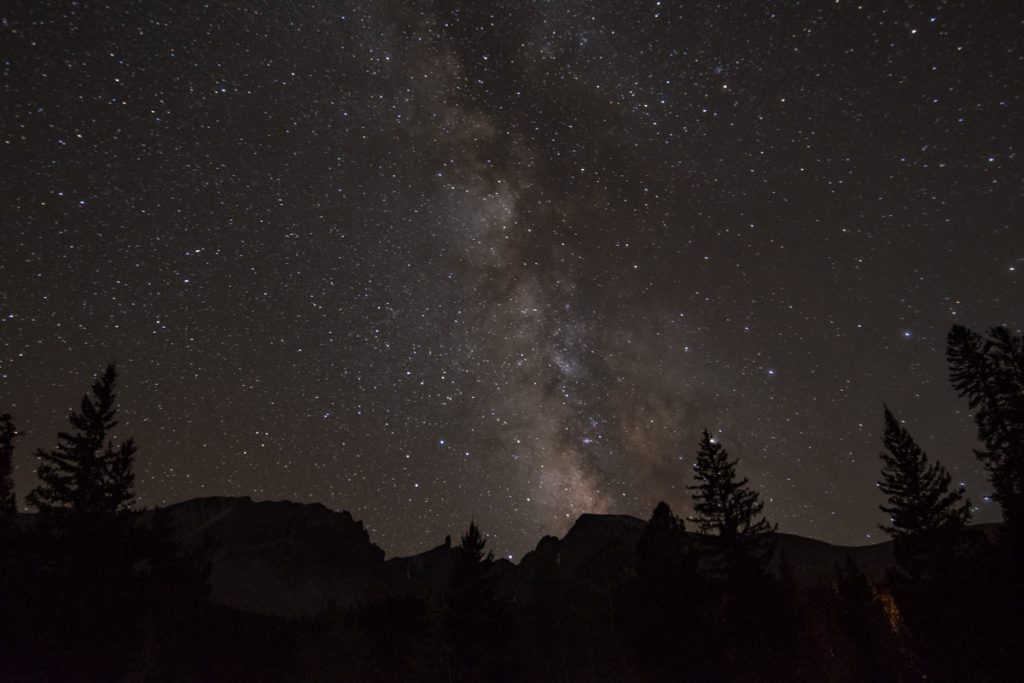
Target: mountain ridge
294	559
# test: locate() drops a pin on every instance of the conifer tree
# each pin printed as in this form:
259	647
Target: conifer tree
661	550
87	475
721	503
936	555
472	545
88	549
8	505
664	522
990	373
920	500
474	618
667	598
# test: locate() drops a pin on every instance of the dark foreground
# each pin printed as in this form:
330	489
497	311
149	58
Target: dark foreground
616	600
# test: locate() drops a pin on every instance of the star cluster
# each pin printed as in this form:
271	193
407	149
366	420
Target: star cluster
432	260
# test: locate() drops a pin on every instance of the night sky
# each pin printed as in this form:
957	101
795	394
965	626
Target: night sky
433	261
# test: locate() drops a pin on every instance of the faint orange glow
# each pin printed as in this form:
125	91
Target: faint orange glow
892	611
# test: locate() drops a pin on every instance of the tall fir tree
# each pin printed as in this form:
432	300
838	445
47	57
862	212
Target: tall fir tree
86	545
88	476
8	504
990	373
723	504
472	546
662	551
667	598
475	620
936	555
920	500
664	522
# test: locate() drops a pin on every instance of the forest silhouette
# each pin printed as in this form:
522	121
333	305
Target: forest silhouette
93	589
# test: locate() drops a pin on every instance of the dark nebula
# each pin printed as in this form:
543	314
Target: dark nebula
435	261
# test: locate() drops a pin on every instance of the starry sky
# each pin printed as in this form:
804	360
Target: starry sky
429	260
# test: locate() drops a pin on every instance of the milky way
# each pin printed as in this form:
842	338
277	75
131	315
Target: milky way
435	261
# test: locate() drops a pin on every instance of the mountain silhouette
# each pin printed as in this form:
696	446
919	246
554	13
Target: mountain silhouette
294	559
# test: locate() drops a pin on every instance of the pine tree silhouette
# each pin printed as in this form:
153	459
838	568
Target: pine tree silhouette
87	475
87	544
920	500
664	522
475	619
662	552
721	503
667	598
990	373
935	553
8	504
472	545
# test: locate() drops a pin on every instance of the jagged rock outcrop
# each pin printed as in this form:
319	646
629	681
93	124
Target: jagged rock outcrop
424	573
292	559
598	549
281	558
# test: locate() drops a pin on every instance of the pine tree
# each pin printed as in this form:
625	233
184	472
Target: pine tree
735	565
87	475
920	500
475	621
990	373
8	504
721	503
469	562
86	543
663	521
472	546
662	552
667	598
